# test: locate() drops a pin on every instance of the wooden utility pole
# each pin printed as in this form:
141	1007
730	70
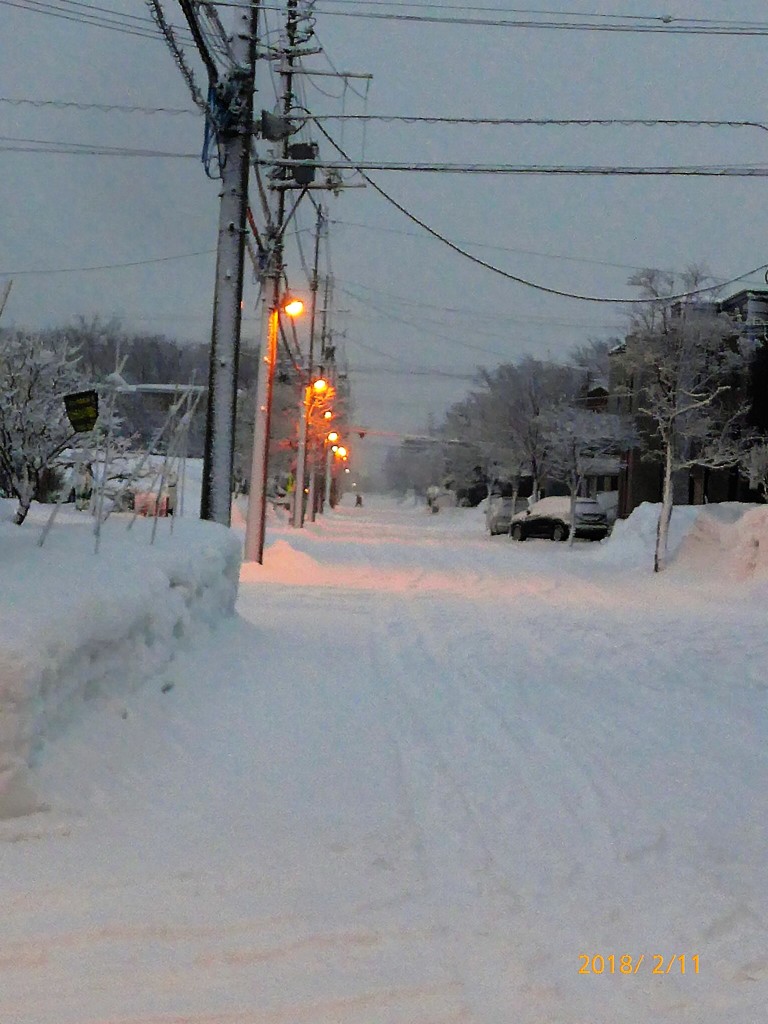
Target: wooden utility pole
234	113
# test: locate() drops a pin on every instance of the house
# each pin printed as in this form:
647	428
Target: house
639	478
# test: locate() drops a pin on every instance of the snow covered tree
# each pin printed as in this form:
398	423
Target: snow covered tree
505	416
682	368
36	371
756	464
575	437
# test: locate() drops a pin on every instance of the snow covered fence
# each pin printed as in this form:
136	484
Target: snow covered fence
75	625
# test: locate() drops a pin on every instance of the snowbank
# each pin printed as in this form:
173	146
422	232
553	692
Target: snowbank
633	540
733	546
75	625
728	540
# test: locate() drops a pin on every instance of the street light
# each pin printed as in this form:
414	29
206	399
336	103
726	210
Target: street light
257	492
334	451
316	390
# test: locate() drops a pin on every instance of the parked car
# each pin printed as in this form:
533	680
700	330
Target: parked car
551	518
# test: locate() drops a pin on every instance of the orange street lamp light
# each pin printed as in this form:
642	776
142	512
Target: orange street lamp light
333	436
315	389
327	415
341	452
257	494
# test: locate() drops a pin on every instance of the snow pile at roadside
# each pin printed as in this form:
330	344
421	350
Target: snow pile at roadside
632	541
75	625
730	540
726	539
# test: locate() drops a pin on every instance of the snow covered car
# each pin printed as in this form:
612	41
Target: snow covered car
551	518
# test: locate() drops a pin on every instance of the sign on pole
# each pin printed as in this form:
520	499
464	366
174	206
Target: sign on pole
82	410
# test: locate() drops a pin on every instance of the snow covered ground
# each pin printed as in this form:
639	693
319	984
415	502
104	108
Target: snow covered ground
76	624
417	780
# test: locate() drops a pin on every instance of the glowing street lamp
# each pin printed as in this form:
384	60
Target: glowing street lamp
337	451
257	492
316	389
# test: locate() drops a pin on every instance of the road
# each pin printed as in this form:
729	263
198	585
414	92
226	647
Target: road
424	777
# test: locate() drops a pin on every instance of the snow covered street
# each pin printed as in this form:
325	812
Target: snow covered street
424	777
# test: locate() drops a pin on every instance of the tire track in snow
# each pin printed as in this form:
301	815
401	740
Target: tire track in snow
468	877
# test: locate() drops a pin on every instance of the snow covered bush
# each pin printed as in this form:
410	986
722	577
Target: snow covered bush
36	371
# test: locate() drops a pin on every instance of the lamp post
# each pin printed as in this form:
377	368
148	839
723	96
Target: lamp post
257	492
314	390
340	452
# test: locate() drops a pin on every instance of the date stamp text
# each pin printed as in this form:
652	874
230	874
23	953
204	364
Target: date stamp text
627	963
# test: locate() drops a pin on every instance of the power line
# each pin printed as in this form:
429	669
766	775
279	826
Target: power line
24	145
107	108
108	266
200	42
476	315
674	171
581	122
497	248
514	277
169	34
655	24
79	13
418	4
412	371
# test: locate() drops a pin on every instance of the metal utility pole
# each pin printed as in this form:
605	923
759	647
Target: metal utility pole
234	107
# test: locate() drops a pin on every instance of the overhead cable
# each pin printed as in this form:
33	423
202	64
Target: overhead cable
514	277
580	122
660	25
108	108
692	171
128	24
107	266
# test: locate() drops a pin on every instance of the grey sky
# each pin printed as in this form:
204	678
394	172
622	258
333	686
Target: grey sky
413	305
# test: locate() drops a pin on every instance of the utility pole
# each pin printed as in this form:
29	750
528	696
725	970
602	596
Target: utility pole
306	406
257	492
298	32
234	108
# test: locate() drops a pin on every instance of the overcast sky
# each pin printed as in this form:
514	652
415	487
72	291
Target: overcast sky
412	305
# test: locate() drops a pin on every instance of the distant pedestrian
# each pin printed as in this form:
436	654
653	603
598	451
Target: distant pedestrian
358	501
